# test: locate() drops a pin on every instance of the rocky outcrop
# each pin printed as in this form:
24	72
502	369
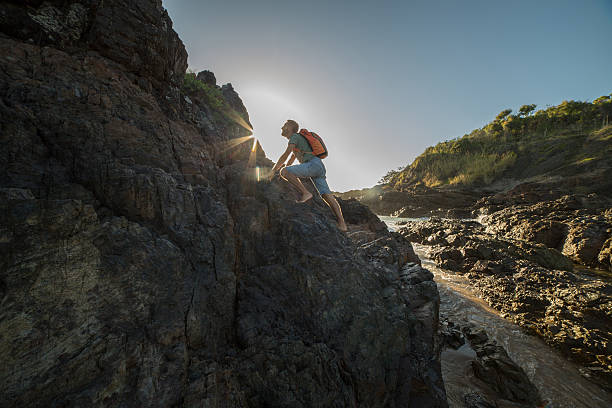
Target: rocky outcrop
418	201
465	246
234	101
530	284
143	264
475	363
137	34
498	371
578	226
207	77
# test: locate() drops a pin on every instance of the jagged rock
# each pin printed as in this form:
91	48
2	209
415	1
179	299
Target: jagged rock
356	213
532	285
207	77
234	101
461	245
137	34
605	255
575	225
586	239
418	201
451	335
475	400
142	264
495	368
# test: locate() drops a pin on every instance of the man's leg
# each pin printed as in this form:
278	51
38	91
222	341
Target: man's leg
295	182
333	204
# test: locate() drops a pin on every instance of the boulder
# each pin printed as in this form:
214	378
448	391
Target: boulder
207	77
495	368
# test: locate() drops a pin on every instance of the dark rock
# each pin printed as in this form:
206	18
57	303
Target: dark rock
575	225
605	255
142	264
417	201
495	368
207	77
235	102
467	242
137	34
451	335
356	213
530	284
475	400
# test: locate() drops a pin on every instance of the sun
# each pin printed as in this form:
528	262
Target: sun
269	108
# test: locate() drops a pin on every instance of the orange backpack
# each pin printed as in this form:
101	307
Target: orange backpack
315	142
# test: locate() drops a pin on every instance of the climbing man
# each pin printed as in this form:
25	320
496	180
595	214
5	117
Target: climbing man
310	166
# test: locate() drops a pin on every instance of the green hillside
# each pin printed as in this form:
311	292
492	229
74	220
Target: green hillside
572	138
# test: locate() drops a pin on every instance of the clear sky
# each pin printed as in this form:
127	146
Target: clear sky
382	80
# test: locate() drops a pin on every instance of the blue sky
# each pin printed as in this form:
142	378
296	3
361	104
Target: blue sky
381	81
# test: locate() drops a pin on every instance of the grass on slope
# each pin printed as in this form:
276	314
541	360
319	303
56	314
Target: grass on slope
561	140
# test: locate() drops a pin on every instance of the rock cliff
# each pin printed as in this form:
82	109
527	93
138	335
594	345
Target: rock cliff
142	264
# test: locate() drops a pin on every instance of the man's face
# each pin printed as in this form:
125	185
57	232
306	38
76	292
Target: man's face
286	130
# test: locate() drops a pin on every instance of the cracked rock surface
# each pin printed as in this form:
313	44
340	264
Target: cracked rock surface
142	264
534	286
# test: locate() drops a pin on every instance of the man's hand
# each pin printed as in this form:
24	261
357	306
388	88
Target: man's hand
270	175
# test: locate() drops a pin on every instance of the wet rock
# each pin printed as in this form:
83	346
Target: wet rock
475	400
530	284
575	225
417	201
460	245
495	368
451	335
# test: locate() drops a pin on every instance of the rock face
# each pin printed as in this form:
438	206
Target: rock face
142	264
137	34
419	201
578	226
532	285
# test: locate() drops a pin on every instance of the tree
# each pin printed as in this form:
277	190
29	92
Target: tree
601	99
525	110
390	175
502	115
604	106
494	127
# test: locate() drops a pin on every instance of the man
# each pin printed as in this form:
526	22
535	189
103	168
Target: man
310	166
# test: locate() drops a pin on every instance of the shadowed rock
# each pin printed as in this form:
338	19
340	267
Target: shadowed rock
142	264
496	369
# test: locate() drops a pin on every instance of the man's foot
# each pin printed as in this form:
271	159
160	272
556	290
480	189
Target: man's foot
305	197
342	227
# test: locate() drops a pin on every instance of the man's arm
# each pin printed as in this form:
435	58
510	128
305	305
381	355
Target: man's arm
291	160
282	158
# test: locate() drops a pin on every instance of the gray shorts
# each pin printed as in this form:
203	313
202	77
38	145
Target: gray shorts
315	169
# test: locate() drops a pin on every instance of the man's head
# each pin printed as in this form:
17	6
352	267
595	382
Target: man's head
290	127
